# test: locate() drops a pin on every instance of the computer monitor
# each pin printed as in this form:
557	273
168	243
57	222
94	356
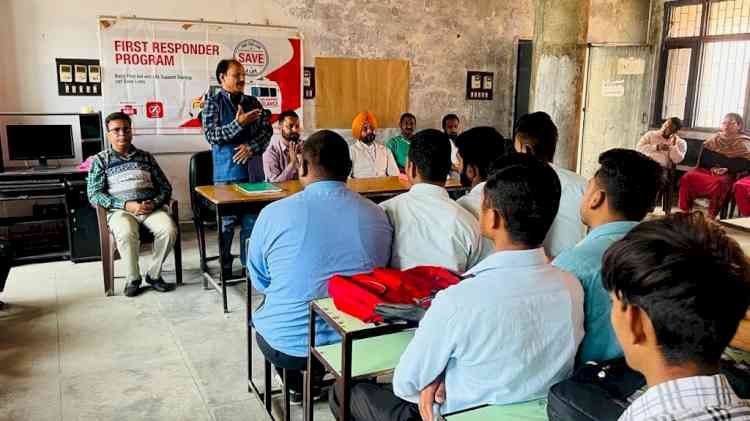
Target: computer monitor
40	142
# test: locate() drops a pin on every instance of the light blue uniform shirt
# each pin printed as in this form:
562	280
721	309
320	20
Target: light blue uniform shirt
504	336
585	262
298	244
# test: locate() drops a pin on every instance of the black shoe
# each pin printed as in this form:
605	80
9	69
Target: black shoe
159	284
295	398
133	288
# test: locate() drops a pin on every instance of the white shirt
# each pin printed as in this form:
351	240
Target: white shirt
504	336
652	140
567	229
431	229
373	160
472	202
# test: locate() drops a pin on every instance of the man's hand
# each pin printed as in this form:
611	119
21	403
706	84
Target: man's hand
147	206
433	393
719	171
133	207
245	118
663	147
293	152
242	154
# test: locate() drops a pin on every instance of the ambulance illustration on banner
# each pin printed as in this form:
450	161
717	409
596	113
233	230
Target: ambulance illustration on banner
267	92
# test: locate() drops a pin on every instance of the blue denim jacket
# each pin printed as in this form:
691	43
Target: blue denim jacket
224	133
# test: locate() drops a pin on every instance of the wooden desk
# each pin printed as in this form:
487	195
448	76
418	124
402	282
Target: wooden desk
378	347
230	194
230	200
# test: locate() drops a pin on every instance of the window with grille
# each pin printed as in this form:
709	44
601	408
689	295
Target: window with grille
705	61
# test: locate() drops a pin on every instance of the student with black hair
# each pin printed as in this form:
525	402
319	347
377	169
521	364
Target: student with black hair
429	227
617	198
478	148
679	288
507	332
399	145
281	158
300	242
537	135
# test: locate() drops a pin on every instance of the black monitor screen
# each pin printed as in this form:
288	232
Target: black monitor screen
47	141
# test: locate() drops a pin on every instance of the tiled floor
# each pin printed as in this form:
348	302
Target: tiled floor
69	353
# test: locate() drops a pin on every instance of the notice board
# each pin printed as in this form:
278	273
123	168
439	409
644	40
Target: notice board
346	86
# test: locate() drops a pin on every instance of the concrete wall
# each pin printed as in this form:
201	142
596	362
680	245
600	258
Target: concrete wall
441	38
619	21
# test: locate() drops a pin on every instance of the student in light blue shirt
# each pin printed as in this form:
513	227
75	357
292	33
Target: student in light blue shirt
617	198
506	333
298	243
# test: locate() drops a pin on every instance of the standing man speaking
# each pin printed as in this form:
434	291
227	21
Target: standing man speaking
235	127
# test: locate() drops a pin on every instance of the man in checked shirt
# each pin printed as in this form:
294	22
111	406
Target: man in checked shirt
235	127
679	288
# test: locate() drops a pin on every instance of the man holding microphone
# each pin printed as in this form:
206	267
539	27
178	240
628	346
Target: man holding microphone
234	126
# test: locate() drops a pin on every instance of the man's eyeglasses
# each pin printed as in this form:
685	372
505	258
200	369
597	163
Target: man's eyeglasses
125	130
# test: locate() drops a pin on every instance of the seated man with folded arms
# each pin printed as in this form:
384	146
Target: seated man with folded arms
129	183
300	242
536	134
507	332
429	227
369	158
281	158
478	148
617	198
399	145
679	288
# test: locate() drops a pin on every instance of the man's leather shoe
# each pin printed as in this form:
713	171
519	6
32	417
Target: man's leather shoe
133	288
159	284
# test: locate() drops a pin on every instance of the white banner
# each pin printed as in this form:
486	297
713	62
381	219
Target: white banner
159	71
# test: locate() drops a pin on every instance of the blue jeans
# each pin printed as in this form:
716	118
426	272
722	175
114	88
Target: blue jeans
227	235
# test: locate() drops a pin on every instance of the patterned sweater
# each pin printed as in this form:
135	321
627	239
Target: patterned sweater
115	179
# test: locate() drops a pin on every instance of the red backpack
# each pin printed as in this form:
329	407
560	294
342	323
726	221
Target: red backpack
358	295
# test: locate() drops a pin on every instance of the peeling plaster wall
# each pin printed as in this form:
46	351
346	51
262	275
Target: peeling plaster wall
619	21
442	41
441	38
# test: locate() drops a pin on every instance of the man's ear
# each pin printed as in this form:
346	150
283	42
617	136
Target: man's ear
303	169
637	322
472	171
598	199
411	169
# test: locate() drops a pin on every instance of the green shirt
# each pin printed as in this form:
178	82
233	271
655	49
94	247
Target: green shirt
399	147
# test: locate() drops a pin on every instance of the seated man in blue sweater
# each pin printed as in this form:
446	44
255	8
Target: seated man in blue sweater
617	198
507	332
300	242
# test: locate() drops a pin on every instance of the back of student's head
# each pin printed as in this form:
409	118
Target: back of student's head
689	277
328	153
480	146
537	133
631	181
526	193
430	153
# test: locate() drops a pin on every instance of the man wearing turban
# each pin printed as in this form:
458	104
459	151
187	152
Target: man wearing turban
369	158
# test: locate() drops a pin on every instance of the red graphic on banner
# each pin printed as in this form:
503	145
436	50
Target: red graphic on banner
154	109
129	110
289	78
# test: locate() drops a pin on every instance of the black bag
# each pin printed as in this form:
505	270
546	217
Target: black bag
601	391
597	391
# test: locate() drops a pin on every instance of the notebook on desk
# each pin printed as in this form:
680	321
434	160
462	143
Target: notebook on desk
262	187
